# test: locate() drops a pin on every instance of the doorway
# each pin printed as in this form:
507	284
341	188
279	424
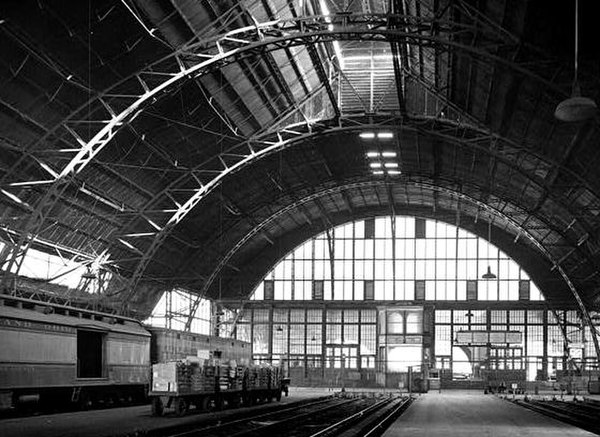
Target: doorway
90	354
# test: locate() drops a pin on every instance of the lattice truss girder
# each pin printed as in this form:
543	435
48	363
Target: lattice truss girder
122	104
541	228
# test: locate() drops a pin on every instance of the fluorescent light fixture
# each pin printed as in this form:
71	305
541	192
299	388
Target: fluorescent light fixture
101	199
377	172
368	58
375	165
154	225
48	169
367	135
391	165
385	135
372	154
127	244
19	201
394	172
388	154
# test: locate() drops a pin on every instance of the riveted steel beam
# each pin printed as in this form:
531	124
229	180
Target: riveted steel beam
196	59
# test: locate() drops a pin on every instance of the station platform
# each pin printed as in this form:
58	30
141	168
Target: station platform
128	421
471	413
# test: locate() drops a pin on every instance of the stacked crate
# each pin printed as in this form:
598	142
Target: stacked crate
236	377
253	377
264	377
204	379
223	377
274	377
183	375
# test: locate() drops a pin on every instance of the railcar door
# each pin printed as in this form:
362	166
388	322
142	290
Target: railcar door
90	354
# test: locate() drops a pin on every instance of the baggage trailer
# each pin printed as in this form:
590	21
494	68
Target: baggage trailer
211	385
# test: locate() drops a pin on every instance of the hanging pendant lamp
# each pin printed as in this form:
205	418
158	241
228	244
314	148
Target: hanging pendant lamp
576	108
489	274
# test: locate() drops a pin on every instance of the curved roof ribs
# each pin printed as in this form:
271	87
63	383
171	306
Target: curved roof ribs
194	60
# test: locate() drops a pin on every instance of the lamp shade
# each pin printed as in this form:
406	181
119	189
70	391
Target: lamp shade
576	108
488	274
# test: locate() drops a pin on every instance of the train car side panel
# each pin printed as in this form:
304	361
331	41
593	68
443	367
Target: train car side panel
36	353
128	358
168	345
51	353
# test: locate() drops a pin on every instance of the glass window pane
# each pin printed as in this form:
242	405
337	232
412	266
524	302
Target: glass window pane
430	258
420	269
388	287
359	249
450	290
379	292
430	287
359	229
348	292
451	248
420	248
359	291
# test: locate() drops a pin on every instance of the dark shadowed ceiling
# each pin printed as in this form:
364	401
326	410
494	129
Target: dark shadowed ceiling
193	143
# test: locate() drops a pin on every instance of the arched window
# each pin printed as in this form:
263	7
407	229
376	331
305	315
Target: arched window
396	259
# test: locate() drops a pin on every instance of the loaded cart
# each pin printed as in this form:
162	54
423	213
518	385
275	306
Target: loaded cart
211	385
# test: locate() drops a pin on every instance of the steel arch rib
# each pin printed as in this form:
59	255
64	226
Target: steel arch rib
452	193
258	38
296	133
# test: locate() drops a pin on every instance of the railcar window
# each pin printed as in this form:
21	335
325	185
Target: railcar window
90	348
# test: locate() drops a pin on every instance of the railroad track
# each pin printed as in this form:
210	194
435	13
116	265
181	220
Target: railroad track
371	422
326	418
581	414
242	418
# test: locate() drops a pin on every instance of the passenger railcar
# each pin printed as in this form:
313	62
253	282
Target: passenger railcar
52	354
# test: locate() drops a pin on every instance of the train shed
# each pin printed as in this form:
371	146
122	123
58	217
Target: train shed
393	201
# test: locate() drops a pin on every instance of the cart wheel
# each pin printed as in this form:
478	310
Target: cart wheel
157	407
85	401
235	401
181	406
205	403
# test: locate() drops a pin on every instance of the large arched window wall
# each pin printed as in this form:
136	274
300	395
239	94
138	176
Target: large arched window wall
396	259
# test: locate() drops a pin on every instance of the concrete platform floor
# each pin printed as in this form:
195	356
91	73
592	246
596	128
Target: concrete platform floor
118	421
470	413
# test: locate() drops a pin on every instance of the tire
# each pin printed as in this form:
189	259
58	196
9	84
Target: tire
158	407
205	404
181	407
85	401
235	401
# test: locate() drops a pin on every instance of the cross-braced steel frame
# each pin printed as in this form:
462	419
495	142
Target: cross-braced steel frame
142	90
